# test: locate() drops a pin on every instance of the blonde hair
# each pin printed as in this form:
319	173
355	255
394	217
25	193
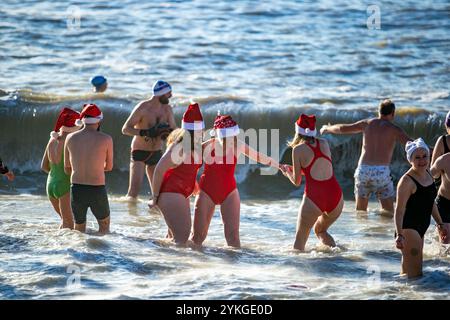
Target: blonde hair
177	136
299	139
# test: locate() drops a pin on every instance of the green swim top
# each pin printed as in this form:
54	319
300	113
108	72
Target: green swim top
58	182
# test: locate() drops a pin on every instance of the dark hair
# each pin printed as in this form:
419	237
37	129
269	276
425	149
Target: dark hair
387	107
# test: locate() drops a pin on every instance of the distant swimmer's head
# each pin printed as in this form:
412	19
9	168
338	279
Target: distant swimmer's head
99	83
447	122
66	122
418	153
163	91
225	127
387	109
305	130
90	115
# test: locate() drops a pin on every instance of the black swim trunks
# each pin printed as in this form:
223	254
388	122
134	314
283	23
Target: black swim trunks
443	205
150	158
86	196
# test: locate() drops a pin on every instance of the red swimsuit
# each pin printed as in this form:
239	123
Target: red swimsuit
181	179
217	180
325	194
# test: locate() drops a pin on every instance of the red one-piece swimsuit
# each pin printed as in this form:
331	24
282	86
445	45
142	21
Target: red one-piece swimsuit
181	179
325	194
217	180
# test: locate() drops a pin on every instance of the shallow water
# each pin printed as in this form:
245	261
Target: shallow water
264	62
134	261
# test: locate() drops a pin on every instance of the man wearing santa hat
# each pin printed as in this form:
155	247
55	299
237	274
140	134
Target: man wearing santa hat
150	122
88	153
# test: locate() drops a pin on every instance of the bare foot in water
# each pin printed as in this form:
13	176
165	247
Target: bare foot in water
326	239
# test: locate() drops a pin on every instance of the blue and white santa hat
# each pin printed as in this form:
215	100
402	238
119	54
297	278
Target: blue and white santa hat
160	88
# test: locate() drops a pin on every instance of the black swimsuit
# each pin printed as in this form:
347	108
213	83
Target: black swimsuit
443	203
419	208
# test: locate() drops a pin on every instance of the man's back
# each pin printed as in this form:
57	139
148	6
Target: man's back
90	155
379	138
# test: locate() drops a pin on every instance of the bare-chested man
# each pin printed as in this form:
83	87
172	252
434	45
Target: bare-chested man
373	174
150	122
88	153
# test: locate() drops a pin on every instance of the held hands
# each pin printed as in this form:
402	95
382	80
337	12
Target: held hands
400	242
287	170
324	129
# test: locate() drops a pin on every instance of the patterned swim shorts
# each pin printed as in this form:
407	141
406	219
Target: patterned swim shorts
374	179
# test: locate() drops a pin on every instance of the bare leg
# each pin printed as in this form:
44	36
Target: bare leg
177	213
325	221
361	203
150	170
137	170
307	217
204	211
230	210
66	211
55	204
80	227
387	206
103	225
412	254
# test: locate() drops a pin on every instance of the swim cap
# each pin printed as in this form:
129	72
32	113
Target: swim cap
412	146
160	88
97	81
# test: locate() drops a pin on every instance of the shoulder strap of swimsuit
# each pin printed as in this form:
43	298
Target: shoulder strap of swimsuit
444	140
415	181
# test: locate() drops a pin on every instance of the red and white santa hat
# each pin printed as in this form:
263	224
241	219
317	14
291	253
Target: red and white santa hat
306	125
225	126
91	114
65	122
192	118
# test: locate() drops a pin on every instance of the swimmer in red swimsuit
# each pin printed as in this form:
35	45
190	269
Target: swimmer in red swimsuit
174	180
217	183
322	201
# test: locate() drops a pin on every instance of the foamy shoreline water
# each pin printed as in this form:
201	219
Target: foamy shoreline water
134	261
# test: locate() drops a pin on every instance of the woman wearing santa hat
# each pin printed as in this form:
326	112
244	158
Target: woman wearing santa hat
217	183
174	179
58	183
322	201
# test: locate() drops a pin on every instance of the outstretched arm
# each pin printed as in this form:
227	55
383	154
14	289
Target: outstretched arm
258	156
352	128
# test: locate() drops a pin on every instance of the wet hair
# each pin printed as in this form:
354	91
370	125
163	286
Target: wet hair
387	107
177	136
298	139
